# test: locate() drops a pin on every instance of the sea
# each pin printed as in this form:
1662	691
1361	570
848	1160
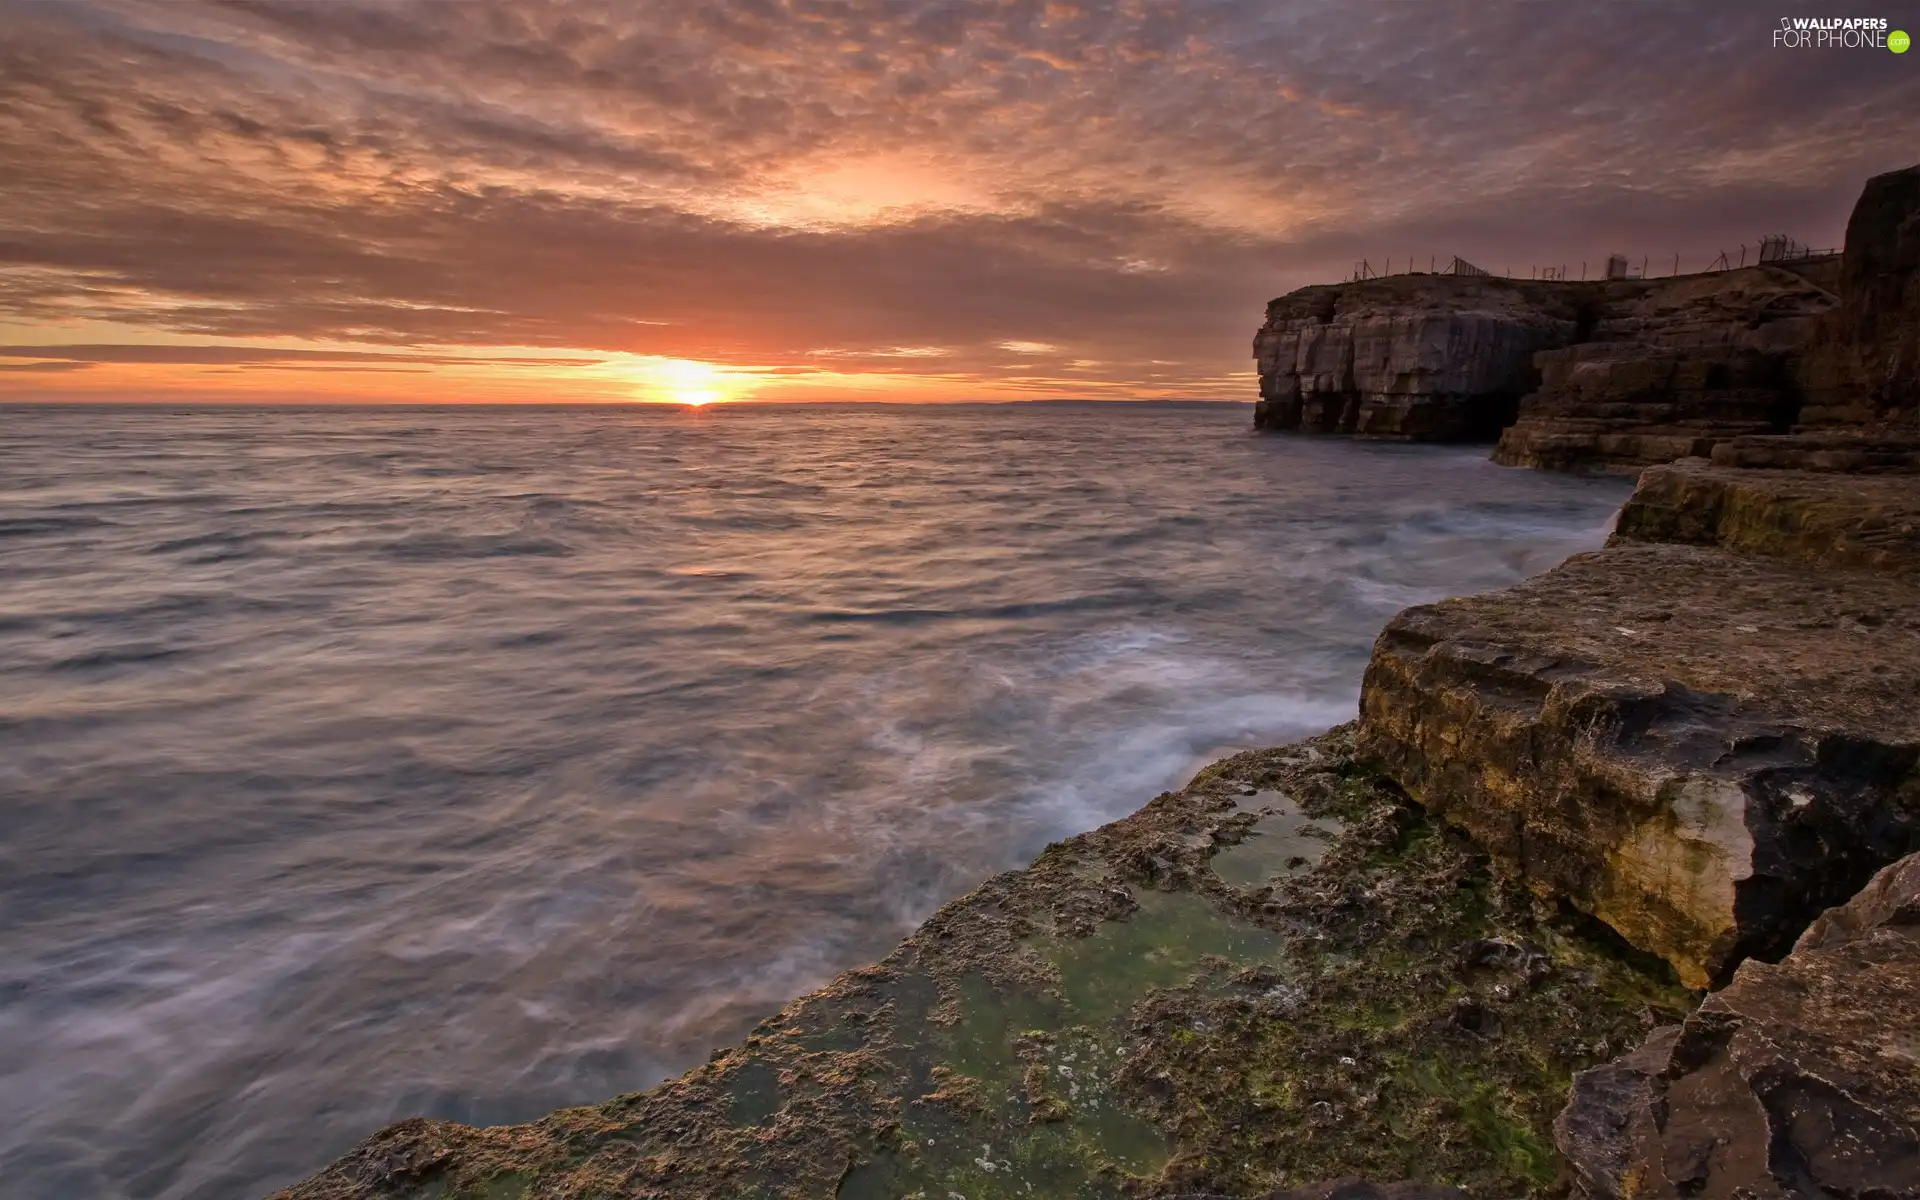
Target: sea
358	763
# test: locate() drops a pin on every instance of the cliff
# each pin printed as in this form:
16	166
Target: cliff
1671	372
1612	375
1617	373
1862	365
1412	357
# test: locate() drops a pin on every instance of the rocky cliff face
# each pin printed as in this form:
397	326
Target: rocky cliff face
1416	358
1669	373
1612	375
1862	365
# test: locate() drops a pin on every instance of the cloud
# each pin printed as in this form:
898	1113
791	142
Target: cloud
89	354
779	182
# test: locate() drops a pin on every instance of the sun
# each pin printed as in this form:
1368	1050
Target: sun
686	381
689	381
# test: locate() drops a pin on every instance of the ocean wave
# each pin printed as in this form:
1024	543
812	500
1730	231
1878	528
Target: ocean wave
475	763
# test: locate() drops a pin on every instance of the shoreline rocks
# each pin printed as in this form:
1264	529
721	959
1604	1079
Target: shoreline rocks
1868	522
1701	748
1797	1079
1283	979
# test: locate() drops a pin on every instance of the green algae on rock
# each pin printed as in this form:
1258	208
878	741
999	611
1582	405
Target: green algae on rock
1120	1020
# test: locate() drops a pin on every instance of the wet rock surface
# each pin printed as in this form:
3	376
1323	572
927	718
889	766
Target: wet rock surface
1362	1189
1797	1079
1119	1020
1703	749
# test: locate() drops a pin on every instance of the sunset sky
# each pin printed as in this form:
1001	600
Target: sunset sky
851	199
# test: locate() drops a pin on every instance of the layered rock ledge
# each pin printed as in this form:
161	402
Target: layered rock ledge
1703	749
1669	373
1815	517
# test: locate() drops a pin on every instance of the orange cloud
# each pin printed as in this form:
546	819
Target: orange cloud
762	185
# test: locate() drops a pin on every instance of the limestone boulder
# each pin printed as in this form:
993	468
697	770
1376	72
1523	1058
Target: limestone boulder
1800	1078
1701	748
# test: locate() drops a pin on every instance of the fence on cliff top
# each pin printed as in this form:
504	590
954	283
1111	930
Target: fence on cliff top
1774	248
